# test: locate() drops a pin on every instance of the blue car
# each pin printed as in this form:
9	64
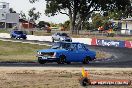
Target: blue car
66	52
18	34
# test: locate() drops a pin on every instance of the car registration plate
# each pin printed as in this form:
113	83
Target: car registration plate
44	57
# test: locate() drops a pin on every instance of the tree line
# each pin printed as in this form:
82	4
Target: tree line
80	11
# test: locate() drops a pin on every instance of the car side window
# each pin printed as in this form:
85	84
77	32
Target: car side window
73	47
80	47
58	34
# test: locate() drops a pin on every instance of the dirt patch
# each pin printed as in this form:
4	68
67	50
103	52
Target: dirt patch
101	55
43	77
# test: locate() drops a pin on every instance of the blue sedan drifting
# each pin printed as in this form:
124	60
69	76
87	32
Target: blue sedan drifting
66	52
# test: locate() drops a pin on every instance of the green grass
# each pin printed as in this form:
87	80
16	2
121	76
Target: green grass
123	38
41	33
129	38
18	52
4	31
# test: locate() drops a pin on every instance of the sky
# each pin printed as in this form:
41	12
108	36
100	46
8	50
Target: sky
25	6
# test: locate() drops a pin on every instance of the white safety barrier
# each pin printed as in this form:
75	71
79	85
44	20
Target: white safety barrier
49	38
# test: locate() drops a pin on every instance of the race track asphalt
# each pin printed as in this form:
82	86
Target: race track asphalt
122	57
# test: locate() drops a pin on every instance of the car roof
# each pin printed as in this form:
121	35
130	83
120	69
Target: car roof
17	30
60	33
70	42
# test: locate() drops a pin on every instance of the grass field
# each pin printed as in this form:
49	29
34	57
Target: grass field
18	52
53	77
4	31
121	38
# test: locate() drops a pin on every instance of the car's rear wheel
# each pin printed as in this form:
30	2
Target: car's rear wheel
68	62
41	61
25	38
86	60
61	60
16	37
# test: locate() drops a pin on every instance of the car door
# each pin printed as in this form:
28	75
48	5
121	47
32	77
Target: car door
57	36
14	34
82	52
73	54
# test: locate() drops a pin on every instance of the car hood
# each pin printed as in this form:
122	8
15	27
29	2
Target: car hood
51	50
64	37
21	34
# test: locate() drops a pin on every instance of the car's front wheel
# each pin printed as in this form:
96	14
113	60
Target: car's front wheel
86	60
12	37
53	40
41	61
61	60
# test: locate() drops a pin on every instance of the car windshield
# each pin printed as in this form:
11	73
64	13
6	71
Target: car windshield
64	34
18	32
55	46
66	46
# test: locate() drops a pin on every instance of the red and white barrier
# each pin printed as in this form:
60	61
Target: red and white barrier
128	44
103	42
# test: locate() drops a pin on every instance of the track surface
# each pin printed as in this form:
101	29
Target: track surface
122	57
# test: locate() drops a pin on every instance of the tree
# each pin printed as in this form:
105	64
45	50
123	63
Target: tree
100	20
87	25
34	15
120	14
128	11
22	15
67	25
11	10
43	24
97	20
80	10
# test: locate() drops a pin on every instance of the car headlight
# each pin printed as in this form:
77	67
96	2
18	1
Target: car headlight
18	35
39	53
62	38
54	55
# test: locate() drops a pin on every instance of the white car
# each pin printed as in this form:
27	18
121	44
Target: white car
61	37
